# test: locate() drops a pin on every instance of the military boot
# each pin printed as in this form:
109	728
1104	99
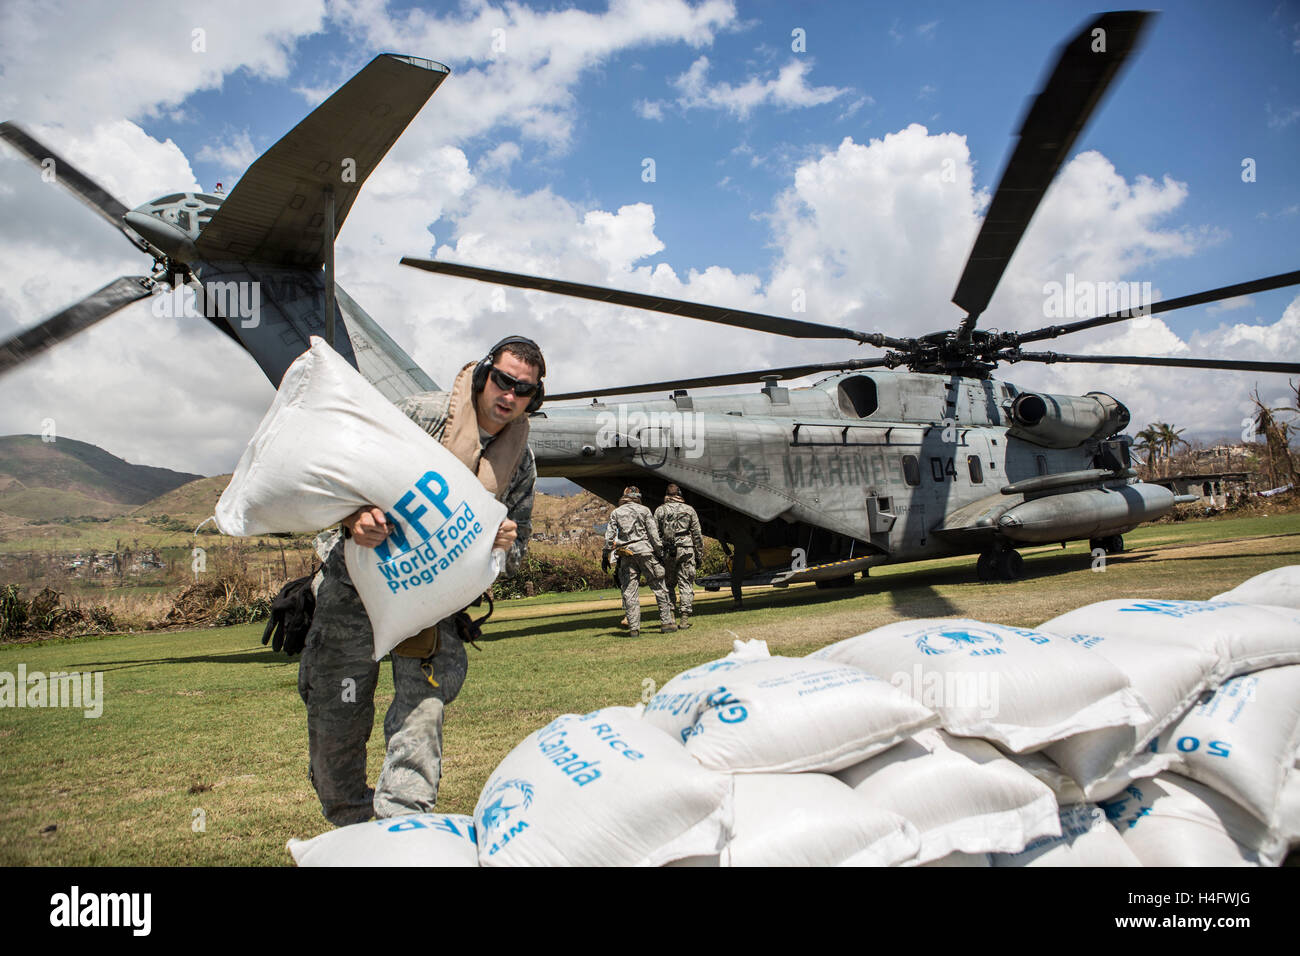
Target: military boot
667	628
634	632
683	621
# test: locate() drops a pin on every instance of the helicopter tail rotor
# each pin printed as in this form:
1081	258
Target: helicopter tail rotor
107	206
98	305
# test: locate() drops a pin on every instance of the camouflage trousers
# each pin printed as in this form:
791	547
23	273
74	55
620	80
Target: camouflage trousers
337	678
680	571
628	566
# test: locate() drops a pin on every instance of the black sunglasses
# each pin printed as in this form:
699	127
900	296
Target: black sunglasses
507	382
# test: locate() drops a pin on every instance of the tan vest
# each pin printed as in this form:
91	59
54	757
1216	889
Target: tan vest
494	466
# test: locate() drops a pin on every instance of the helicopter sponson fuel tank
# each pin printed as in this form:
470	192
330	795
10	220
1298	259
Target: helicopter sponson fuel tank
1090	513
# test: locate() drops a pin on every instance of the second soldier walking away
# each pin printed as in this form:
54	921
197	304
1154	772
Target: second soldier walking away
679	526
632	538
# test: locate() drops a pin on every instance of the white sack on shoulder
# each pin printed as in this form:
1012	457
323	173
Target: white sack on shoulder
422	839
1241	739
811	819
961	794
330	444
1279	588
605	789
755	714
1170	820
1019	687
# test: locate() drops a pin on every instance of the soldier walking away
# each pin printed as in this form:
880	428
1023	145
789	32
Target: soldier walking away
483	421
679	526
632	540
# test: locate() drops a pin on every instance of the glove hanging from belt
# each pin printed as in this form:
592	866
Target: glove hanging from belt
291	614
468	629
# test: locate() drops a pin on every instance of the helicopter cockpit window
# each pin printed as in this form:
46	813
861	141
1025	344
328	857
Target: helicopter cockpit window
858	396
976	471
911	470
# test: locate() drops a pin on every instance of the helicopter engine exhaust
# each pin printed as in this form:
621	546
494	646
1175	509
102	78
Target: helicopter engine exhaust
1066	421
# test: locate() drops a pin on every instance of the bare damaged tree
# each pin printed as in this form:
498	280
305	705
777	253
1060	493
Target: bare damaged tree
1277	440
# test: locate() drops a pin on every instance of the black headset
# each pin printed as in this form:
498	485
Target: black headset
482	369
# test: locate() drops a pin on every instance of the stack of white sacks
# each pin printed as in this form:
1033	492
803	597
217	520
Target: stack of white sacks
1126	733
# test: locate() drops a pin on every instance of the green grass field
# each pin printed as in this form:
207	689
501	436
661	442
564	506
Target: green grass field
200	755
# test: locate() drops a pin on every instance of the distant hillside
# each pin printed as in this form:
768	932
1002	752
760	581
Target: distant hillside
196	500
67	478
556	518
47	503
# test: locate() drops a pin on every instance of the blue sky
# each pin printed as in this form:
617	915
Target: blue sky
774	170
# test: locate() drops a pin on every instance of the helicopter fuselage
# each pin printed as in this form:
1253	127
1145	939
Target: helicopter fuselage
873	468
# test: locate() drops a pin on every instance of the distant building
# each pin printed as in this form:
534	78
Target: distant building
1217	489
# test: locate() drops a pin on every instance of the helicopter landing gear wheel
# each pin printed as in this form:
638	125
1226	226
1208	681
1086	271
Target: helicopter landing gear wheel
1010	565
826	584
1112	544
986	566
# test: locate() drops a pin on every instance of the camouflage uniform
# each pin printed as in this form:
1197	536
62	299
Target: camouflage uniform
633	536
337	676
679	526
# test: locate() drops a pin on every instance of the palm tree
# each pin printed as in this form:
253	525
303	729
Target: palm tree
1169	439
1148	441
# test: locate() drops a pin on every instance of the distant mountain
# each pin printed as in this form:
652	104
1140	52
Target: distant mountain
559	487
67	478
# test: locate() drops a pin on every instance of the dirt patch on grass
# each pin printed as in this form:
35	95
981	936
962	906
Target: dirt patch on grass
1286	544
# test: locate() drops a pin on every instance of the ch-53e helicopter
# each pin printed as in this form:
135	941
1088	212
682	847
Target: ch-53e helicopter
801	484
879	467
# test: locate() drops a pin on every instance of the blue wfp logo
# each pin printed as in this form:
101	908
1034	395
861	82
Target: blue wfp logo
413	554
503	799
964	639
722	665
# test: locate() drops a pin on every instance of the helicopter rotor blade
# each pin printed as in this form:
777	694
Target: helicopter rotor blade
1167	305
76	318
99	199
737	318
1053	123
716	381
1286	368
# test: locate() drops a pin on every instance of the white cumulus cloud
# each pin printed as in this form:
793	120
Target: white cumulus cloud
789	89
